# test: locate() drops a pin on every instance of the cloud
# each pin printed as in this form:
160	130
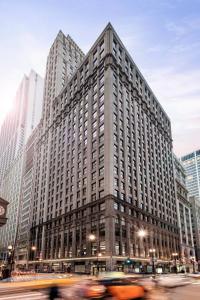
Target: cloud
184	26
179	93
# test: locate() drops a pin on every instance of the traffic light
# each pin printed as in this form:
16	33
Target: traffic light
128	261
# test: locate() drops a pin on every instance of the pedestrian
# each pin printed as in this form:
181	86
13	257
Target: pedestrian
54	293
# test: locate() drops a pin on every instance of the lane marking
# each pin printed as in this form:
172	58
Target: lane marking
25	296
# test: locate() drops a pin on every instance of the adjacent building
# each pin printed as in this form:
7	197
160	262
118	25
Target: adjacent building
184	214
21	120
10	189
104	185
191	163
22	249
15	130
63	59
195	214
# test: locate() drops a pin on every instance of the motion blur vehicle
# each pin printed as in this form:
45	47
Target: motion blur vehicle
173	281
194	275
123	288
106	288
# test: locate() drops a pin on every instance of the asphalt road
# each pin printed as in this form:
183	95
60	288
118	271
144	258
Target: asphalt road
25	296
189	292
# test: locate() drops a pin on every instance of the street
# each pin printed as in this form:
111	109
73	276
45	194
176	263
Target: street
191	291
25	296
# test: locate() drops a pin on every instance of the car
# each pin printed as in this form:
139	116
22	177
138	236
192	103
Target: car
172	281
123	288
194	275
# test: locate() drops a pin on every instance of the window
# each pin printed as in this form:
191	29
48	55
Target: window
101	182
101	118
94	106
102	206
101	139
115	170
94	134
101	159
101	109
101	128
94	124
93	186
93	175
101	171
122	208
116	206
116	182
94	154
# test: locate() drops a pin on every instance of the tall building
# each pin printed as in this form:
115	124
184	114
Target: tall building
21	120
104	166
10	189
191	163
62	61
26	196
15	130
195	213
184	214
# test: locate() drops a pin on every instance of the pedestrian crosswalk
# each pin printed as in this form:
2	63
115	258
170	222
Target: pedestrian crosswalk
25	296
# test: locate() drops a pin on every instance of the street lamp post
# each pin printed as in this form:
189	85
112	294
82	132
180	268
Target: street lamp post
33	250
98	255
175	256
10	258
91	238
152	255
193	264
142	233
32	254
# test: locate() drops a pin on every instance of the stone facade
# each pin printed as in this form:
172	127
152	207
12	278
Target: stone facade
184	215
104	166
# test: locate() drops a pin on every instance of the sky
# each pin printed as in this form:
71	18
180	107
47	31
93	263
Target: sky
162	36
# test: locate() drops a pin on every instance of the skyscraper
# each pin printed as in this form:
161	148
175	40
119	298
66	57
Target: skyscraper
191	163
21	120
62	61
15	130
104	187
25	207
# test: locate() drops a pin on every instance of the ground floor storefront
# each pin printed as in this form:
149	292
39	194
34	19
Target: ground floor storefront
94	265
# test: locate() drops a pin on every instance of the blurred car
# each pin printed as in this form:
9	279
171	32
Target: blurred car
194	275
105	288
84	289
172	281
122	288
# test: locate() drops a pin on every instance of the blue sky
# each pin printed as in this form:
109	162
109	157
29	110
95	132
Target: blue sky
163	37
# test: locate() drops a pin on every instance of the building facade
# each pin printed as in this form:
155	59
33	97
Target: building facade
3	211
15	130
195	214
10	189
21	120
63	59
22	249
104	166
184	215
191	163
